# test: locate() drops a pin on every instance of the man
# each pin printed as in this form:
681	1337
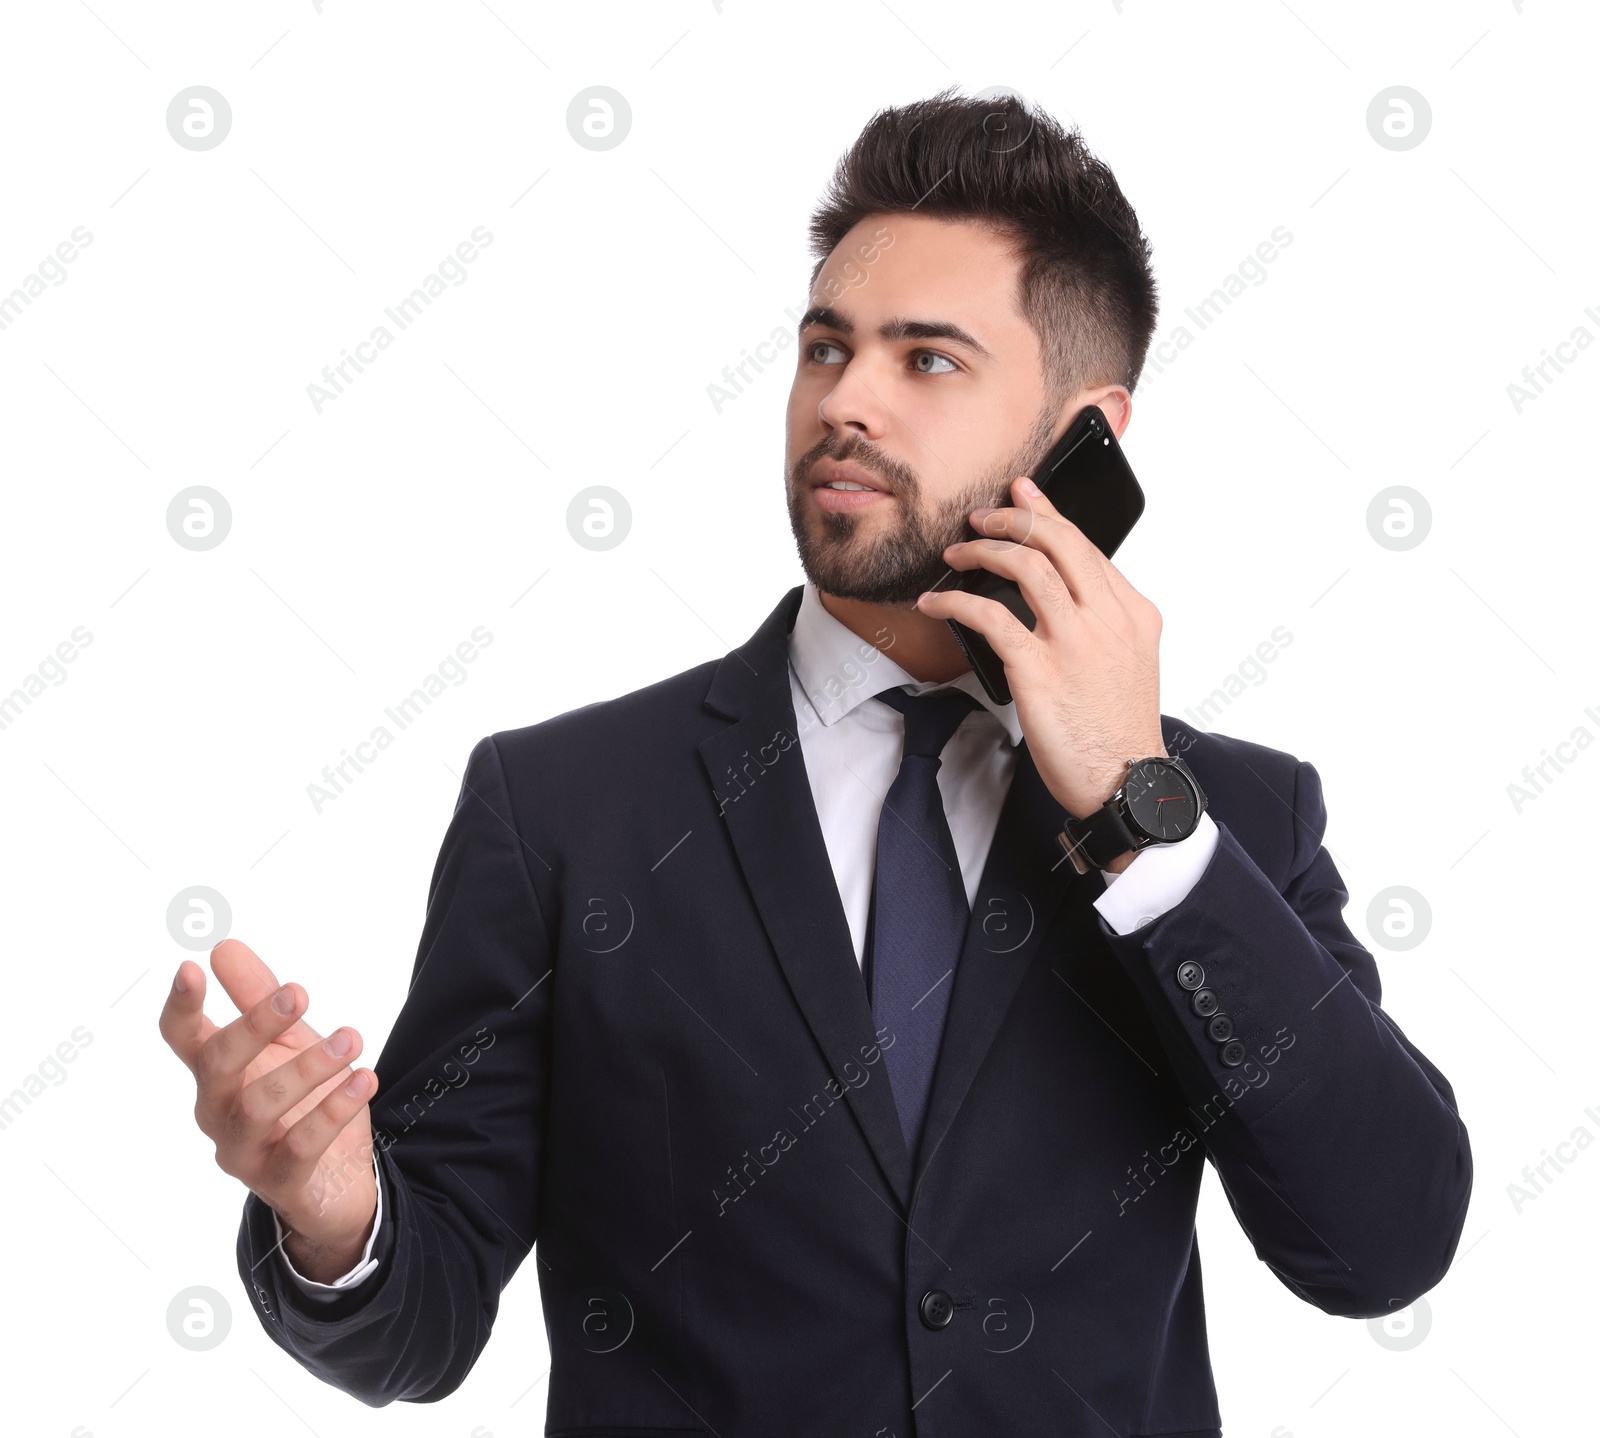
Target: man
838	1095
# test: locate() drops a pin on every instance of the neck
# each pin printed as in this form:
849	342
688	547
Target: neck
921	645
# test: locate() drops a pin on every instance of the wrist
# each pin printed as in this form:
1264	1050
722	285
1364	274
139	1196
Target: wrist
1113	779
1134	815
325	1257
324	1261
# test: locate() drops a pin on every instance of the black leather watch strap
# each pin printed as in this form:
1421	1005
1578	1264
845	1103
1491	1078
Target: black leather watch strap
1094	842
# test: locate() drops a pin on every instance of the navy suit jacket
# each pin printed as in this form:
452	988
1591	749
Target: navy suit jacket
638	1036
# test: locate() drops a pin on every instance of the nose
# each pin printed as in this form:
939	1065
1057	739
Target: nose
852	405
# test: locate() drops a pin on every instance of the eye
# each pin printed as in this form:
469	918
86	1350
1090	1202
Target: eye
815	345
935	355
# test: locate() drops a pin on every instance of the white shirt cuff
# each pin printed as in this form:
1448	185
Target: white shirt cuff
1159	878
366	1264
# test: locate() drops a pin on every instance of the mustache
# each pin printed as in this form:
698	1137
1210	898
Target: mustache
898	478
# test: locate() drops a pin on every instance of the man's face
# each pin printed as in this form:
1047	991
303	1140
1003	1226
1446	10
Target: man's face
917	372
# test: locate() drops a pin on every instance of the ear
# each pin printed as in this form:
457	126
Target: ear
1113	399
1117	405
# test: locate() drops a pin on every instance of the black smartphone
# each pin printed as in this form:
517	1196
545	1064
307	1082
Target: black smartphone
1087	479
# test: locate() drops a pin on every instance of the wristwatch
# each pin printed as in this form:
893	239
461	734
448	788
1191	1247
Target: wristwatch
1159	802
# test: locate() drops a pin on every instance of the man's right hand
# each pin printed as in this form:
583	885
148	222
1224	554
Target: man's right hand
289	1118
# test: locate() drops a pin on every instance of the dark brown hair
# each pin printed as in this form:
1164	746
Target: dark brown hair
1086	287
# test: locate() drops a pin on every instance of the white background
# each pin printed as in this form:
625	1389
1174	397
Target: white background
369	540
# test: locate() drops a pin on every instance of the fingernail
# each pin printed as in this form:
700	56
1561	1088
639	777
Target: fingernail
338	1044
283	1001
1029	487
357	1085
178	983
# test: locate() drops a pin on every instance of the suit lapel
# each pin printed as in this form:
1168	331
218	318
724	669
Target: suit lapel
759	776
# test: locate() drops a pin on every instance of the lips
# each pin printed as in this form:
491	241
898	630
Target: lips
828	471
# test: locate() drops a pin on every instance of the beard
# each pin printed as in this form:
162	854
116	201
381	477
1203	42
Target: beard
895	567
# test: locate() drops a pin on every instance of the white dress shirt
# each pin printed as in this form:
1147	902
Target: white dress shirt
852	754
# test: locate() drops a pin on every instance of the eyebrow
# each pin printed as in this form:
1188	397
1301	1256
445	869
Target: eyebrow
895	329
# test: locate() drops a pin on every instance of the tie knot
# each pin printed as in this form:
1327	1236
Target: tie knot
931	718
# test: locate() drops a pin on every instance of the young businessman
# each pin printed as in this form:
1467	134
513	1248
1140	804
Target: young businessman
852	1045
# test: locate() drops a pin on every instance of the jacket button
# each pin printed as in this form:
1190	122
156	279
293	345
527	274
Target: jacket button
1205	1003
1220	1028
1190	975
937	1309
1232	1054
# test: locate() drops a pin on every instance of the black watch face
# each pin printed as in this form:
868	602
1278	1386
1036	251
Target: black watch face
1161	800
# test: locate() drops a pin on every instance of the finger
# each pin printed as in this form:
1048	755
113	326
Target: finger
248	981
265	1100
227	1053
183	1021
1035	521
1007	635
1099	590
300	1150
1030	569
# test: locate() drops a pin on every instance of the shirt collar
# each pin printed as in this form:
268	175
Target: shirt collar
838	669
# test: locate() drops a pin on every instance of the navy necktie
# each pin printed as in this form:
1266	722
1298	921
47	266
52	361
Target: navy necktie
919	904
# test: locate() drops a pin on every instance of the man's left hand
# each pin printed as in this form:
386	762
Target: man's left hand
1086	681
